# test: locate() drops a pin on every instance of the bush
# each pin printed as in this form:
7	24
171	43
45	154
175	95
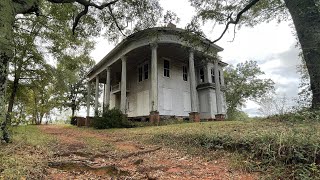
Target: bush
305	115
112	118
73	121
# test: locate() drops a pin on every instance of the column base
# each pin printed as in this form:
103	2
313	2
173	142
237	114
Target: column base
194	116
154	117
81	121
220	117
88	121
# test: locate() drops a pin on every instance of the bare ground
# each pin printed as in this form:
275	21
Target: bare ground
89	154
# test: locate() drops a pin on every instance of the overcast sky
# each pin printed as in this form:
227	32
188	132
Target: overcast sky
272	45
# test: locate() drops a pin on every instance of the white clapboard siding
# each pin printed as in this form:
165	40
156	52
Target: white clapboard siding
167	93
143	107
186	102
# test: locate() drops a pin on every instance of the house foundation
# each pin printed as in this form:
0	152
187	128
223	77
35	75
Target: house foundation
194	116
220	117
154	117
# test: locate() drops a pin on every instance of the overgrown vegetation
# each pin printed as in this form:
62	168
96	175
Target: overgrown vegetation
277	149
26	157
111	118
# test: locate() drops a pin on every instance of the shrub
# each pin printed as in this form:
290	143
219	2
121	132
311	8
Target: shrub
73	121
112	118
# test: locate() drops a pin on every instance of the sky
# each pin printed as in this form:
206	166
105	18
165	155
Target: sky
272	45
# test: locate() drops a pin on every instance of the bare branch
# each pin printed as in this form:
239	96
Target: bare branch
115	20
77	19
231	21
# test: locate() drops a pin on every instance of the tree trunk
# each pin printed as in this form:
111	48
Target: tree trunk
306	18
6	38
13	93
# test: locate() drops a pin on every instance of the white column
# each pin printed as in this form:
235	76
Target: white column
154	77
107	95
96	102
123	84
222	77
207	73
88	98
104	97
193	90
218	91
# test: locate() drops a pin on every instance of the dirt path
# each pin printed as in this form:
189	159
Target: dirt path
88	154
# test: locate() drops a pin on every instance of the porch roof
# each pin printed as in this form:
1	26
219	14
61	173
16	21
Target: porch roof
152	34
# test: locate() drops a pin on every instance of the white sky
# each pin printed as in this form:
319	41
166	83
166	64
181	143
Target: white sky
272	45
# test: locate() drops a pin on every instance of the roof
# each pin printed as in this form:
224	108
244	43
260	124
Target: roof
143	33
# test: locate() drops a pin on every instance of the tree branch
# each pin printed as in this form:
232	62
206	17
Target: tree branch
231	21
77	19
115	20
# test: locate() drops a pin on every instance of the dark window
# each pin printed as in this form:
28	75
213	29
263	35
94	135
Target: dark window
185	73
146	71
140	73
219	76
201	72
166	68
212	76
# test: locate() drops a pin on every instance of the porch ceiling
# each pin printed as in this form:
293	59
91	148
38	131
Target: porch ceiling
139	55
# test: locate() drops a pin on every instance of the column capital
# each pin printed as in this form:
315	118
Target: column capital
190	50
124	58
154	45
108	68
216	61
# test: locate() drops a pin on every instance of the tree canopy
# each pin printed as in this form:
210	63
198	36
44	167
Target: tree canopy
304	14
244	83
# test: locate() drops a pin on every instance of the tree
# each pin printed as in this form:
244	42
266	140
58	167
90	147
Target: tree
71	83
114	15
271	104
243	83
305	95
304	13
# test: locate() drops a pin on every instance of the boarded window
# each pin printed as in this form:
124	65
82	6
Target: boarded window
166	68
185	73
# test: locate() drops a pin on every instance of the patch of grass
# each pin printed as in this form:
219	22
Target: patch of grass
276	148
26	157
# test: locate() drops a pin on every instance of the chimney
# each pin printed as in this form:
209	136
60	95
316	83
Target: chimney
171	25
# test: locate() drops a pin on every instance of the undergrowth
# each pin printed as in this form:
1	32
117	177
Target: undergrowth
25	158
278	149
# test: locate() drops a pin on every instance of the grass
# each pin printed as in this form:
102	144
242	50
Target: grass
278	150
26	157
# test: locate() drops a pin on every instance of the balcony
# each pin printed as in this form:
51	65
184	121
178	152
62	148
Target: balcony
117	88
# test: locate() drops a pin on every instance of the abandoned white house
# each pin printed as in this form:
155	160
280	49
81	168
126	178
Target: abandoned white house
161	72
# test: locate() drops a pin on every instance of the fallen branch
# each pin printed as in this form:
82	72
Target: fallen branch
140	152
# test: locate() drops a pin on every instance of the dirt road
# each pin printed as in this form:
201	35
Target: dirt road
89	154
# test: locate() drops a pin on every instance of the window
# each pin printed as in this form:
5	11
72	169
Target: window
219	76
140	73
143	72
212	76
201	73
166	68
185	73
146	71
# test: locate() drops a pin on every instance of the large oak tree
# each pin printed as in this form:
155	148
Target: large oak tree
112	15
304	13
